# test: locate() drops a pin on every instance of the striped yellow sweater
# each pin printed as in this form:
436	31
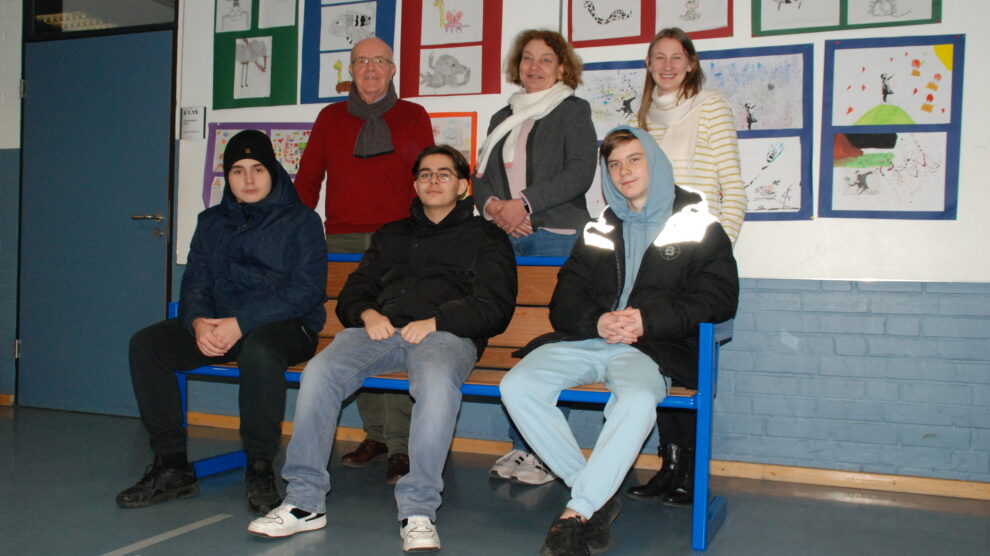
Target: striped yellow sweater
716	165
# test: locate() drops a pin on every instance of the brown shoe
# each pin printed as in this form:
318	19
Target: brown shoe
398	465
367	452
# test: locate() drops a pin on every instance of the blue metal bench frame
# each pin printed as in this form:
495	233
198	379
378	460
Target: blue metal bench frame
708	511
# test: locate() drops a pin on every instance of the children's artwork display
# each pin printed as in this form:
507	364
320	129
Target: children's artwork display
614	91
607	22
451	47
288	139
770	91
780	17
331	28
459	130
254	53
891	120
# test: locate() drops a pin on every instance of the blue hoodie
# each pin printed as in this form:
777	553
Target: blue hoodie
639	229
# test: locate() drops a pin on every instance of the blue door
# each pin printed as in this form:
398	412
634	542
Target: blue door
95	154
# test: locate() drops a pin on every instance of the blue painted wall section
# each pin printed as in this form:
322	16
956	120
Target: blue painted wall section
9	203
877	377
889	377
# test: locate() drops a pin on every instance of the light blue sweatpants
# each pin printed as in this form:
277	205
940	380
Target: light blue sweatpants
530	391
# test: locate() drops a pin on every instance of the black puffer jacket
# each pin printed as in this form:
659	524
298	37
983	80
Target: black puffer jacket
680	285
260	262
460	271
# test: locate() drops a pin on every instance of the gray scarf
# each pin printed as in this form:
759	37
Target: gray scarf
374	138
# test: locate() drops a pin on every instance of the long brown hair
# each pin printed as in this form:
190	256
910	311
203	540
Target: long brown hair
692	81
569	59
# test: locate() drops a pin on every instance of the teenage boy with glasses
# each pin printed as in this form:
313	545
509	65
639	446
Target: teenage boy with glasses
429	292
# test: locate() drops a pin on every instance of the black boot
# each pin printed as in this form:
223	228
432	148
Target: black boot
681	493
660	483
259	485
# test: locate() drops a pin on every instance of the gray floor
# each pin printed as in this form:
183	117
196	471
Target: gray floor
59	473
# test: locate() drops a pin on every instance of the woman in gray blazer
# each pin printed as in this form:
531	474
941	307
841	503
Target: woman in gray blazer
538	160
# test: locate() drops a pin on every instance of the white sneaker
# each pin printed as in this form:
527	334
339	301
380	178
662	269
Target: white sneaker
287	520
419	534
506	465
533	471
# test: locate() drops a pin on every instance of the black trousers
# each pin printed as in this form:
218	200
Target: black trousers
677	426
262	355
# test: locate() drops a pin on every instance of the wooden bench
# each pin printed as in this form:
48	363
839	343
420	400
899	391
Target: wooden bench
537	279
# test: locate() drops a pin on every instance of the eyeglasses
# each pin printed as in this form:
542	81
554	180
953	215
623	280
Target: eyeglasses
427	176
377	61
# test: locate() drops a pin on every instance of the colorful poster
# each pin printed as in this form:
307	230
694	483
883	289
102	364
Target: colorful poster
891	122
254	53
288	139
779	17
607	22
451	47
330	30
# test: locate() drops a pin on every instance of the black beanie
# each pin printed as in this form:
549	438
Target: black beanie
252	144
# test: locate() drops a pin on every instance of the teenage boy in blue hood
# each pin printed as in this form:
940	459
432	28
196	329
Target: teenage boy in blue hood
252	292
625	312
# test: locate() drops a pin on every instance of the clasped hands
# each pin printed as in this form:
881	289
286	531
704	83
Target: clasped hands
621	327
215	337
379	327
511	216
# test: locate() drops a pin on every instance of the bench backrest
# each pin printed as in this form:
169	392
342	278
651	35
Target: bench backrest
537	280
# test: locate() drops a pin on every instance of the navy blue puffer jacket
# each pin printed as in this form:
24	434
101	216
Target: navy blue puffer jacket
260	262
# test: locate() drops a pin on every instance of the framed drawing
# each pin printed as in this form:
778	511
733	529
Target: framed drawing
288	139
770	90
451	47
254	53
459	130
330	30
891	119
601	22
613	89
781	17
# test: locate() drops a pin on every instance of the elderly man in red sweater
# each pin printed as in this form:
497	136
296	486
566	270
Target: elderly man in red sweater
365	147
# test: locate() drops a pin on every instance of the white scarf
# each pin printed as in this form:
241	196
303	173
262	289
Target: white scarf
525	106
680	120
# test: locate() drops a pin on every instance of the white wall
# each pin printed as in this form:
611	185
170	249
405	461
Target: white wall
859	249
10	74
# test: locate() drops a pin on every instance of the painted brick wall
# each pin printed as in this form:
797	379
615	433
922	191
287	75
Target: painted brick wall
877	377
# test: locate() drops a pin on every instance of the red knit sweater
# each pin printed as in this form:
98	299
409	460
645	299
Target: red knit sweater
362	193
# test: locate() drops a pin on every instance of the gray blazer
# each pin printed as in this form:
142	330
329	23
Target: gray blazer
561	155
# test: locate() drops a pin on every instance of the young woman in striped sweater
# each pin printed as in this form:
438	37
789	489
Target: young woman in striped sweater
696	130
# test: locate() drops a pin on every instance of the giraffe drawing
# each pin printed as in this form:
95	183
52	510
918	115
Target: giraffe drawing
342	86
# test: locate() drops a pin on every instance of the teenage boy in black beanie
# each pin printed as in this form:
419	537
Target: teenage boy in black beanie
252	292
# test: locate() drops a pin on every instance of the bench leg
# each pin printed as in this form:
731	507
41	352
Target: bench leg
219	464
707	513
214	464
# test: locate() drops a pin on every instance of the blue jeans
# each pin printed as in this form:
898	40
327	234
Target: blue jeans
530	391
437	368
542	243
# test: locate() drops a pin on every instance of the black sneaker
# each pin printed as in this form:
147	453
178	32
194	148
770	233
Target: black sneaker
597	532
259	485
160	484
566	538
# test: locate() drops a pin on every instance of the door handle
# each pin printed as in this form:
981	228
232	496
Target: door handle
157	217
